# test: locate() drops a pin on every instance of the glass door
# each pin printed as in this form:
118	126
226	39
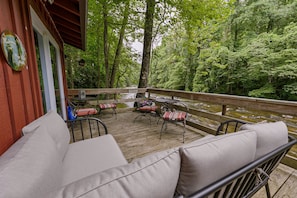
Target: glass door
49	68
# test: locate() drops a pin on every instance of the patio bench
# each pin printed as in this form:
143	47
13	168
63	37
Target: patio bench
43	164
246	181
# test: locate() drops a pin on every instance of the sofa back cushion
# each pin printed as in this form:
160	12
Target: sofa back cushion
30	167
269	136
212	158
153	176
56	128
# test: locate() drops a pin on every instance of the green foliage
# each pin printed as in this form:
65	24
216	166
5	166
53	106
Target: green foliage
235	47
264	92
252	52
93	74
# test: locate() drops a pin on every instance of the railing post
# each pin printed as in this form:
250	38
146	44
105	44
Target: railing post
224	109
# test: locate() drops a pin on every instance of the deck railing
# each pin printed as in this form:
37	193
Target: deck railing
224	108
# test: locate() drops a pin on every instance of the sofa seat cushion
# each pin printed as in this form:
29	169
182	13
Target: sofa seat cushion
152	176
31	167
56	128
212	158
269	136
91	156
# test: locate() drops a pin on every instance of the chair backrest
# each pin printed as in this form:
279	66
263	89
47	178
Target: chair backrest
86	127
229	126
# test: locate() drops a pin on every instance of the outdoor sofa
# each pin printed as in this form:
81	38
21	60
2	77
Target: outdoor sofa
43	164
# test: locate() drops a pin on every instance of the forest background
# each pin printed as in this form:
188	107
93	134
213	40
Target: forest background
240	47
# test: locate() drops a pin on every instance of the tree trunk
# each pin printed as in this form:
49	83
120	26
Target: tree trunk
98	59
147	45
106	46
119	46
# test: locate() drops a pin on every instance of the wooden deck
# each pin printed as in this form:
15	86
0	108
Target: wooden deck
140	137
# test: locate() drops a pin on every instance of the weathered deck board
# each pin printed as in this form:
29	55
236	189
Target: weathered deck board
289	188
140	137
277	180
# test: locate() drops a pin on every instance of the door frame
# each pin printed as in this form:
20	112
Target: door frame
44	40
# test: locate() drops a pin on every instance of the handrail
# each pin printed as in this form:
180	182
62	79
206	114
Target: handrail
278	106
107	91
74	92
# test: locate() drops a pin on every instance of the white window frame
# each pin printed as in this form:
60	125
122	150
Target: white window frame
45	58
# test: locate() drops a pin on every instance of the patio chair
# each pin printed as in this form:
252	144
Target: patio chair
229	126
147	110
173	116
88	127
79	111
112	106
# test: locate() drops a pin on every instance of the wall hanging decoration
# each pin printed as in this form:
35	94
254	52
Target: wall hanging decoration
13	50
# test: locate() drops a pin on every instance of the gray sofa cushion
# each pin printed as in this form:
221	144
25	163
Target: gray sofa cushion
91	156
209	159
55	127
30	167
152	176
269	136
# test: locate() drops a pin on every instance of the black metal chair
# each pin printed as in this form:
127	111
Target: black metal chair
81	111
173	116
229	126
147	111
84	125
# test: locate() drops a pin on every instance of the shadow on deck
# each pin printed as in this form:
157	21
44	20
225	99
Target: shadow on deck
141	137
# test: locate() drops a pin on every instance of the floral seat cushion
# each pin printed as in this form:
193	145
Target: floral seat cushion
86	111
108	106
148	109
174	115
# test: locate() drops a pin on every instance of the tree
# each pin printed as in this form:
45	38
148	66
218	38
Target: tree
106	42
147	44
119	45
105	66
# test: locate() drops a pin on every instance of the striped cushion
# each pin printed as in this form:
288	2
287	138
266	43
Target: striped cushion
176	115
86	111
148	109
107	106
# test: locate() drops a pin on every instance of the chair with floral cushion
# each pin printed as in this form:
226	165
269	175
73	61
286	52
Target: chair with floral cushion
112	106
80	111
146	108
147	111
174	116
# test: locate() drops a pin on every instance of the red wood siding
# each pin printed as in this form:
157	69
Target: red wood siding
20	97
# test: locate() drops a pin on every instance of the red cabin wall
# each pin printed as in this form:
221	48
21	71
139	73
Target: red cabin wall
20	97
